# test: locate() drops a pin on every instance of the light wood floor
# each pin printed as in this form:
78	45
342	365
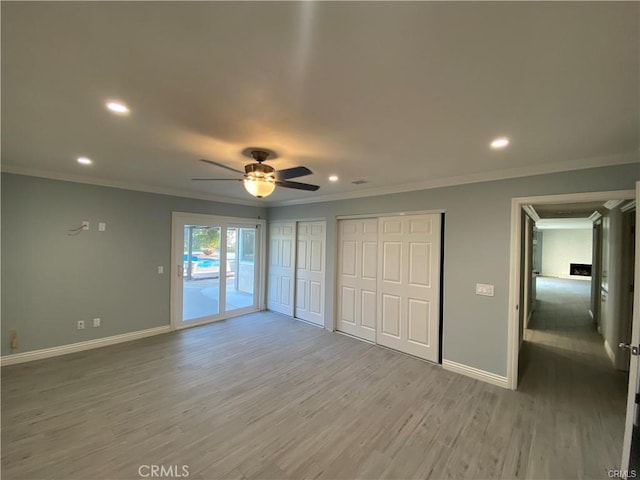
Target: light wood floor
565	368
263	396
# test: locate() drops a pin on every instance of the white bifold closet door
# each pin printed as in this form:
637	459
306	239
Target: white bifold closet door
310	254
282	259
357	277
409	284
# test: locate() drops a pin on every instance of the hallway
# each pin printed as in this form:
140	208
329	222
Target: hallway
563	359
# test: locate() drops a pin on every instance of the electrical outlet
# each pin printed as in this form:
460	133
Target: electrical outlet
13	335
85	225
102	227
80	325
160	269
96	322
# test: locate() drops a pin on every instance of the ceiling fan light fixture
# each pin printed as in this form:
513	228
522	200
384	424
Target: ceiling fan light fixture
259	186
117	107
260	180
500	142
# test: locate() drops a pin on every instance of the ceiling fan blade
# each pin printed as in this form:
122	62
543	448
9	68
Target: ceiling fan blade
221	165
216	179
297	185
292	173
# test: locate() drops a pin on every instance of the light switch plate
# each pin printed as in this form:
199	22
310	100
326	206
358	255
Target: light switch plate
160	269
484	289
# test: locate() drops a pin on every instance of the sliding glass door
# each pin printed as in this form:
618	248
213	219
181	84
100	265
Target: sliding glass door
240	287
200	272
215	268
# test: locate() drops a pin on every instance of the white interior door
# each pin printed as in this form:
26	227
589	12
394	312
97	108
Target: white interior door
632	413
282	254
310	272
357	277
409	284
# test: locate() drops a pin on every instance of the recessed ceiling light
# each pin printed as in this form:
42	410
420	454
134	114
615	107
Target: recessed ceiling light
117	107
84	161
500	142
333	178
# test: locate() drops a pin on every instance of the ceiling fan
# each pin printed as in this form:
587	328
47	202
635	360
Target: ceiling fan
260	180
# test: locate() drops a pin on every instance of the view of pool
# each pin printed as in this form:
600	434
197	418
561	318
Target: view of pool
208	262
202	262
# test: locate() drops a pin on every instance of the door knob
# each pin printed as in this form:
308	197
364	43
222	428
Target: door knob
632	348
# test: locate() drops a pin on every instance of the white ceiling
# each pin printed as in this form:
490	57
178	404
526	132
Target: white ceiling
404	95
568	210
564	224
577	215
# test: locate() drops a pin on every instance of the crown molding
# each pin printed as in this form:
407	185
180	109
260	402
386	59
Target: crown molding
611	204
531	212
504	174
628	207
128	186
595	216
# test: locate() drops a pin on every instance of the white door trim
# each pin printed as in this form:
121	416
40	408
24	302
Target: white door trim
517	204
635	339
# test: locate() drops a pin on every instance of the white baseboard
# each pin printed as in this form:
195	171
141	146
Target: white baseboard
15	358
476	373
610	352
568	277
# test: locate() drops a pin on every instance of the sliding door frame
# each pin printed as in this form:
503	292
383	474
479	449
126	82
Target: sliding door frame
178	219
295	222
377	216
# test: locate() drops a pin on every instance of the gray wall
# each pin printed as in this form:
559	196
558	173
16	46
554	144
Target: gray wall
476	249
50	280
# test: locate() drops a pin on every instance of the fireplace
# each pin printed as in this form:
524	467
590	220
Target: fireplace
582	269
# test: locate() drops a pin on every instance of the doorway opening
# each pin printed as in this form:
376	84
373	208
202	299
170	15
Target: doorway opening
566	335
